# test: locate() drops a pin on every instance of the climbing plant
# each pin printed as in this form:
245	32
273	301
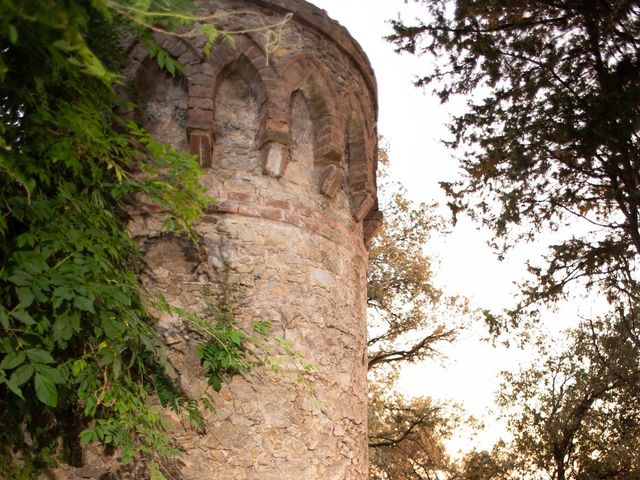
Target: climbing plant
79	354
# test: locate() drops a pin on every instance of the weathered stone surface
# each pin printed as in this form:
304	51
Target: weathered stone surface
165	106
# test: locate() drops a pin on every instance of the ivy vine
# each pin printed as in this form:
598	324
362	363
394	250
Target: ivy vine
79	355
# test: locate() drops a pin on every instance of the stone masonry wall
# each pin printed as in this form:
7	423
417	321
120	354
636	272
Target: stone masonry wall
288	142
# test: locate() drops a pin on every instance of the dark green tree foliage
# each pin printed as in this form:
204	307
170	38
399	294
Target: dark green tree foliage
79	356
550	139
551	130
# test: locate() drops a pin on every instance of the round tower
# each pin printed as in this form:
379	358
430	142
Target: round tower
284	124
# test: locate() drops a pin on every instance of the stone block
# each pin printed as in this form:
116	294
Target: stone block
275	157
199	119
331	180
362	203
372	225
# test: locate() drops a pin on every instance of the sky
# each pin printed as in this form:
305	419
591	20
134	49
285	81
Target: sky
414	123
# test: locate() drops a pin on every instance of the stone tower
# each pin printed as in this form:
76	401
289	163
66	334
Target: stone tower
285	128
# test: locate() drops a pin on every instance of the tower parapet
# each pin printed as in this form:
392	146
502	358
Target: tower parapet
316	57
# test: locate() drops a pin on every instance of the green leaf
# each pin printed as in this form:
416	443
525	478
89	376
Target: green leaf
64	45
25	240
88	436
15	389
13	34
51	373
21	375
60	294
171	66
117	367
61	329
155	473
46	390
262	327
4	317
39	356
235	337
21	278
105	356
122	298
77	367
84	304
23	316
113	328
162	59
215	381
25	296
12	360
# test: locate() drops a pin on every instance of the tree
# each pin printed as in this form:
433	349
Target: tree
409	318
406	436
571	416
79	355
408	315
498	464
550	140
550	136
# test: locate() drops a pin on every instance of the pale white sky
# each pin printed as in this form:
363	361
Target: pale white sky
414	122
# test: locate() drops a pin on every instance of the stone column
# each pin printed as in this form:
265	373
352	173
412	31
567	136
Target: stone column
288	141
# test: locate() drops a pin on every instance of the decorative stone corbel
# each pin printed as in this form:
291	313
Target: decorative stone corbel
362	203
331	180
372	225
275	157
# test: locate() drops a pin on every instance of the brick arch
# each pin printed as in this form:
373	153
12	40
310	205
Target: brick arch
179	48
143	76
354	100
140	62
360	156
245	69
304	73
246	57
238	87
204	78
